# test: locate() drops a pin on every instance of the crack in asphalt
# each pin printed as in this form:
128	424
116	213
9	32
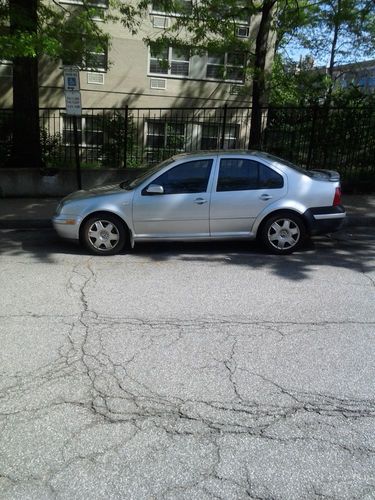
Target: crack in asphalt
112	395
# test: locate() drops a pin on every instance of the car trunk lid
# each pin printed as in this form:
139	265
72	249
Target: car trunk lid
325	175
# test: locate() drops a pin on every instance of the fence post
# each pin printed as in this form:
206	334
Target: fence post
224	125
126	136
312	137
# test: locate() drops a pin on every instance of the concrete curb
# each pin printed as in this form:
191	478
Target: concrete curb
360	221
351	221
26	224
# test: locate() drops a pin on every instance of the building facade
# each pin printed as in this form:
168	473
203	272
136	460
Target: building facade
131	75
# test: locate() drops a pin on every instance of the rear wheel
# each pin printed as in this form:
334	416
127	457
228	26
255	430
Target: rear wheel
104	234
283	233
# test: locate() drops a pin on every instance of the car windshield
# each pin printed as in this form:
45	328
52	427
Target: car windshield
132	184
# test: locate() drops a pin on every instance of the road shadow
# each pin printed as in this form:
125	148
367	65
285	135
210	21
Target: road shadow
345	250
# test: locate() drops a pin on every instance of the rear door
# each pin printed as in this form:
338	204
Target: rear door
242	189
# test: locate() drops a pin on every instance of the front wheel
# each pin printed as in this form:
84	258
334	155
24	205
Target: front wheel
283	234
104	234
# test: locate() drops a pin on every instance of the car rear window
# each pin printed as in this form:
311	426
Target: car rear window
288	163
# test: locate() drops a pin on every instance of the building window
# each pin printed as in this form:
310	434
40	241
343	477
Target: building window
215	66
92	3
96	61
169	61
165	135
212	136
179	7
89	128
6	68
228	67
93	58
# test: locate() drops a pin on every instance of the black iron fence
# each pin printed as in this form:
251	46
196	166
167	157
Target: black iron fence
315	137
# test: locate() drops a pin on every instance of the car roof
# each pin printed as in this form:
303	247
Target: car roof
223	152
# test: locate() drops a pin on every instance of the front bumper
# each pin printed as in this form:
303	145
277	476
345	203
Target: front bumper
321	220
67	226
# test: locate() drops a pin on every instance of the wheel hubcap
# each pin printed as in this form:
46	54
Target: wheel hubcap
283	234
103	235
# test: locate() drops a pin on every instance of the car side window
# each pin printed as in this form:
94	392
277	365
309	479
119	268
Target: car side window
188	177
237	174
241	174
269	179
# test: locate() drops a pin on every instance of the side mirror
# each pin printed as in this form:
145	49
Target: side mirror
155	189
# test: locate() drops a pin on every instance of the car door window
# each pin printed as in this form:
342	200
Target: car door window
269	179
240	174
237	175
188	177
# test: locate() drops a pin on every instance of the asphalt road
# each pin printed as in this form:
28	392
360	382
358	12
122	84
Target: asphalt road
187	371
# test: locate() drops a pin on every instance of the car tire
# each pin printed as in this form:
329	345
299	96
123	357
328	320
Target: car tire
283	233
104	234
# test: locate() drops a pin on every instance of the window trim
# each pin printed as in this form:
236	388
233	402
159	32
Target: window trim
84	67
104	4
6	64
167	14
225	66
81	129
165	134
229	135
168	74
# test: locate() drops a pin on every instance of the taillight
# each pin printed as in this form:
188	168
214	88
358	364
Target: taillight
337	198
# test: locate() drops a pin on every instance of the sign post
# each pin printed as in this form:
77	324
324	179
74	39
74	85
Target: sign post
73	108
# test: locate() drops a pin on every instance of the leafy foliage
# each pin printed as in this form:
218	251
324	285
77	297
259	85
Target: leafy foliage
339	30
52	29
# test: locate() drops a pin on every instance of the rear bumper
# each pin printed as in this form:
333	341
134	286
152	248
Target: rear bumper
322	220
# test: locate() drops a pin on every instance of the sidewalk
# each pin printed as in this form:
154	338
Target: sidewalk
32	213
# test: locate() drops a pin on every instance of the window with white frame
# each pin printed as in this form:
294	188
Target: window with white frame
169	61
89	128
215	66
162	134
92	3
93	57
212	136
6	68
179	7
228	67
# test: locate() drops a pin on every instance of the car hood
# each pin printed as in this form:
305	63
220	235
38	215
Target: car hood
97	191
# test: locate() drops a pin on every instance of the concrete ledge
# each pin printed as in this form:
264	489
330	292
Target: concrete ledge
27	182
26	224
360	221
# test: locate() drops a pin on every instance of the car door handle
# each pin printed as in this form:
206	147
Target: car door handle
265	197
200	201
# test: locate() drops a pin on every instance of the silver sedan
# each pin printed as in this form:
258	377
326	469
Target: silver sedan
207	196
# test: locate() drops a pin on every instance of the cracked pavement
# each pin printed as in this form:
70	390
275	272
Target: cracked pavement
187	371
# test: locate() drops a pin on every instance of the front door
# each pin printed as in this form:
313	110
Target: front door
182	210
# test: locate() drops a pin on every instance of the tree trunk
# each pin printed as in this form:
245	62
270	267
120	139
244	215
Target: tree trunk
259	86
26	149
332	58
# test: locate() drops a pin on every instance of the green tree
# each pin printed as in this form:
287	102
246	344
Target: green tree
28	30
211	25
339	31
296	84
